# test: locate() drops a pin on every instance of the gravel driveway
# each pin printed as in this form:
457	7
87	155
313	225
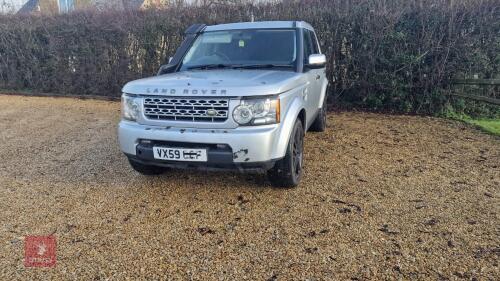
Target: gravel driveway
383	196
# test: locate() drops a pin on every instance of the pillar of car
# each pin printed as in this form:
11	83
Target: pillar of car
191	34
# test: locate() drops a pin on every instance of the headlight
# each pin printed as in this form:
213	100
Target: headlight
258	111
131	107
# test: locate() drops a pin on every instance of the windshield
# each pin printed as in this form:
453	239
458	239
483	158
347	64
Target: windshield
264	47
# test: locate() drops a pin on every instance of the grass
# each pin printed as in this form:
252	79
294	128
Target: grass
491	126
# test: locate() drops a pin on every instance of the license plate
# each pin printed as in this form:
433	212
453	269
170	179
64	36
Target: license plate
180	154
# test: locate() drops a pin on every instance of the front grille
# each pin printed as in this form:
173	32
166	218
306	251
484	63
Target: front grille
186	109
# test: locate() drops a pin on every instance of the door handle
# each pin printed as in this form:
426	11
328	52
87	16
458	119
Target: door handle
318	77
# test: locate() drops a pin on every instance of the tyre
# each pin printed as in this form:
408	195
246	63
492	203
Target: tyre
287	172
147	170
319	124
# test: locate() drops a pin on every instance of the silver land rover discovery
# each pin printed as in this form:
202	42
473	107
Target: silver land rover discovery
235	96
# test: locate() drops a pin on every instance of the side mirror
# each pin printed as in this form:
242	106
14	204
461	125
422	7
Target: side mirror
316	61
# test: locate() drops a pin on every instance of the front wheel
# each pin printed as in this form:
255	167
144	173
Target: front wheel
287	172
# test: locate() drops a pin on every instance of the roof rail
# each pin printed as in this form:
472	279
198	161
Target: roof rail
195	28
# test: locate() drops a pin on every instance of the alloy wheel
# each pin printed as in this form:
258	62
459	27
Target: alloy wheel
297	152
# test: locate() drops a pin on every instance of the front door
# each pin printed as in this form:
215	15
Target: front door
313	96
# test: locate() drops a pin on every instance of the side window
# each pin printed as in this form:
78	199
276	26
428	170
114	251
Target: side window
308	46
314	42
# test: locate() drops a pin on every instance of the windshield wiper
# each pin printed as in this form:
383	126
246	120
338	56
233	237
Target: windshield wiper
210	66
257	66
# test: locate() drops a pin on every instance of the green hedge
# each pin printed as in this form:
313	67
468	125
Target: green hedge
397	55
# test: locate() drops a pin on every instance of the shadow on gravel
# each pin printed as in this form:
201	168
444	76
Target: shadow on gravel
200	176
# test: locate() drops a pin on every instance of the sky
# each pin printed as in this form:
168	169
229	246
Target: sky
11	5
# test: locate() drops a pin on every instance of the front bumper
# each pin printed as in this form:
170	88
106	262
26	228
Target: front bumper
240	147
260	167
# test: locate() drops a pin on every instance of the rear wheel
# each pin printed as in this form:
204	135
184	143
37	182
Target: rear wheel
319	124
148	170
287	172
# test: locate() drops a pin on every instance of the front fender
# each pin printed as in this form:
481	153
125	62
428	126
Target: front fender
295	103
324	87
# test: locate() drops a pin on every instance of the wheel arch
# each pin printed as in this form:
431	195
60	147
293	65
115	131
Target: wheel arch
302	118
298	111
